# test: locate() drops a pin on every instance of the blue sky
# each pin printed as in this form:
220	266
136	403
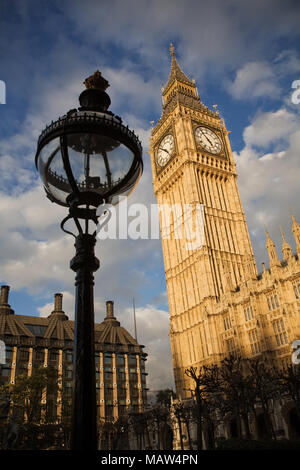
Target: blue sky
244	57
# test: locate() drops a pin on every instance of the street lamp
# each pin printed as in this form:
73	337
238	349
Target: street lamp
85	159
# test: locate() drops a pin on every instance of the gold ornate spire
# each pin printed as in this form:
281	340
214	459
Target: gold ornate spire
176	73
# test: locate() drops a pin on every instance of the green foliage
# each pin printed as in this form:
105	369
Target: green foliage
28	394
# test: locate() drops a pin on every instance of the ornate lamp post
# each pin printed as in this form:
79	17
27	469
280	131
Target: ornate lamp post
87	158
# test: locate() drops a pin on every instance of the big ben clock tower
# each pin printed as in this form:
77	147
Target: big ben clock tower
192	164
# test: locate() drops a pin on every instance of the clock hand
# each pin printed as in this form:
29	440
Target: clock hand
205	136
165	151
209	141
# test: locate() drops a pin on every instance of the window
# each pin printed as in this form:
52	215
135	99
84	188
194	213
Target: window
37	330
133	377
121	395
297	290
68	388
108	396
5	372
254	341
120	360
280	333
8	352
227	323
108	411
69	372
69	356
134	393
108	376
23	355
53	355
132	360
273	302
39	355
107	358
248	313
269	304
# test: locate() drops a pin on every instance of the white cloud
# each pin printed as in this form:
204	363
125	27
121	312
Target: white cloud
153	332
268	128
254	79
262	79
269	182
68	306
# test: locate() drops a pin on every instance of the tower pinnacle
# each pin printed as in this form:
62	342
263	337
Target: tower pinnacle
296	233
172	49
177	77
270	245
285	247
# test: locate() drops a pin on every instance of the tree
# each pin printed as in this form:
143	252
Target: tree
238	391
290	385
266	383
183	413
159	416
163	397
33	398
199	392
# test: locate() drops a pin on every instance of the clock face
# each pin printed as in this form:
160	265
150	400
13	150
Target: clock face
165	150
208	140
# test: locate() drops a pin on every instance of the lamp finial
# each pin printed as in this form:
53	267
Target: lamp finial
96	81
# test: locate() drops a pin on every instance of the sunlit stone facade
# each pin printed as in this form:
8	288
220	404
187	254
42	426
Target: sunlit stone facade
218	302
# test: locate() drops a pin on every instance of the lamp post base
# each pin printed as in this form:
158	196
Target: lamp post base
84	419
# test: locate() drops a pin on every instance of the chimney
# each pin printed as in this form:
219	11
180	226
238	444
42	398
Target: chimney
4	295
4	305
57	310
58	302
110	309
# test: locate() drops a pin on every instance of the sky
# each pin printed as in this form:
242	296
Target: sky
244	56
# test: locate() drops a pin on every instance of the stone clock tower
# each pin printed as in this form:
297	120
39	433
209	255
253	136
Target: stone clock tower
219	305
192	163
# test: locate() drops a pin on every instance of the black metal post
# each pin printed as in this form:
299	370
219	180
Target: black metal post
84	419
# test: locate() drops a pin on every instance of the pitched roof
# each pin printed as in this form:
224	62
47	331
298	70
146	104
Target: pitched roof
176	73
57	326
